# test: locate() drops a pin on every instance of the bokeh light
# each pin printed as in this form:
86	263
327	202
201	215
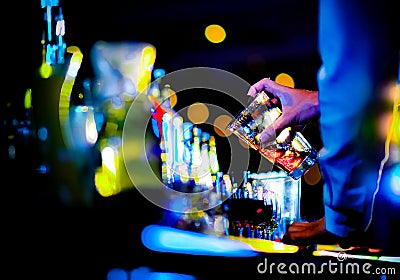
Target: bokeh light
313	175
390	185
146	66
45	70
173	98
285	79
215	33
395	182
158	73
28	99
198	113
220	125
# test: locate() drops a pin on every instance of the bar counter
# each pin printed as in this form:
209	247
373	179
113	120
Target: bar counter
124	237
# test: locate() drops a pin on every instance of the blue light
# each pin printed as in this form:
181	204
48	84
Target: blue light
173	240
146	273
390	184
179	204
117	274
42	133
42	169
169	276
158	73
154	125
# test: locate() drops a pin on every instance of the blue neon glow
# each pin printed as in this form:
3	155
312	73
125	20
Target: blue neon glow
173	240
154	125
158	73
117	274
390	185
390	259
42	133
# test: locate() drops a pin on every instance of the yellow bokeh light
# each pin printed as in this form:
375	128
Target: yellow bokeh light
220	124
45	71
173	98
28	99
396	134
146	66
198	113
285	80
169	95
313	175
215	33
396	115
267	246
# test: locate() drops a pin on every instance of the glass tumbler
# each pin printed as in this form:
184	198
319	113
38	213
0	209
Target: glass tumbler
289	151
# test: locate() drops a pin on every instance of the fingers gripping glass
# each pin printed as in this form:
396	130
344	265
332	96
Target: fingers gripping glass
289	151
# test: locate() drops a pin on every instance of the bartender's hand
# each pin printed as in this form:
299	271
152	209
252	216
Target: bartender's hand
298	106
304	234
307	233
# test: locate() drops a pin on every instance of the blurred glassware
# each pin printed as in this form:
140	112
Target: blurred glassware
284	194
265	205
122	74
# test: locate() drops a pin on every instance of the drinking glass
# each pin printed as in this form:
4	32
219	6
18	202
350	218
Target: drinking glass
285	194
289	151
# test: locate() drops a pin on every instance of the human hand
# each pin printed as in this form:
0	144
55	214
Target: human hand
298	106
301	233
304	234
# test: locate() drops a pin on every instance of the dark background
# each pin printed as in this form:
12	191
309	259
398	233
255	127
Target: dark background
263	39
48	238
